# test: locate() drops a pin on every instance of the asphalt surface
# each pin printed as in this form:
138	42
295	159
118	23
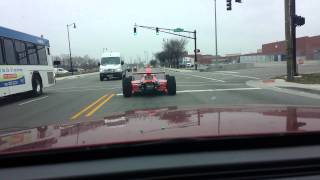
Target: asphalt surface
86	98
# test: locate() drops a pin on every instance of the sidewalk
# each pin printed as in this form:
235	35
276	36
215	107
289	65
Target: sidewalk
283	83
280	85
76	76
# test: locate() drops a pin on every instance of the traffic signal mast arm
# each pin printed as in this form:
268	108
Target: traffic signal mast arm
169	31
166	30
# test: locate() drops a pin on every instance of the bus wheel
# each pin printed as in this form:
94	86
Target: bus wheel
36	86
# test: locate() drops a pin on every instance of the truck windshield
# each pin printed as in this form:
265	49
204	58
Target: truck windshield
110	60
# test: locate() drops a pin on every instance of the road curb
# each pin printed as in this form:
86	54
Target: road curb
268	81
76	76
178	70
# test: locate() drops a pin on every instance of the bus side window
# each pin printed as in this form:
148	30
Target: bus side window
21	52
9	51
32	54
48	50
1	53
42	55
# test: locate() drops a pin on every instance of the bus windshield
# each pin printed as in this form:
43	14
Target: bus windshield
110	60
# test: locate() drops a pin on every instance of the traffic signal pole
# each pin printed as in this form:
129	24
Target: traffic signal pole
291	22
195	50
288	40
293	36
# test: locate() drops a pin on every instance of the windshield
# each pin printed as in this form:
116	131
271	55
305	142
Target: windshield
82	73
110	60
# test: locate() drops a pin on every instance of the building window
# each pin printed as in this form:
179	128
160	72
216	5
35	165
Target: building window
42	55
21	52
9	51
32	54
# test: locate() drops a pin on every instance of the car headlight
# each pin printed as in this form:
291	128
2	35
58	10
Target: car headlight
118	70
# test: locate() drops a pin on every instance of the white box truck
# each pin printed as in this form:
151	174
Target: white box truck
111	66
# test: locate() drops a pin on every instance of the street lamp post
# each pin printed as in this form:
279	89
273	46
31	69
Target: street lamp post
74	26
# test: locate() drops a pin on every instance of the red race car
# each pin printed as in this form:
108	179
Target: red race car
148	82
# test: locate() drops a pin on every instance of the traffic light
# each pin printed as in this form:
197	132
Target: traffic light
157	30
229	5
299	20
135	31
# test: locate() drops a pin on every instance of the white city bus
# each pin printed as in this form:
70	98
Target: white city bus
25	63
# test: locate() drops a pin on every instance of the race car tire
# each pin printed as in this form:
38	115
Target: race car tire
126	86
167	76
101	78
171	85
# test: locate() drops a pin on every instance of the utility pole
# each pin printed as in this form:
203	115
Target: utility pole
288	40
195	50
215	27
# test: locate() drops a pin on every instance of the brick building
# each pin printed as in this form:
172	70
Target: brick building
206	58
307	48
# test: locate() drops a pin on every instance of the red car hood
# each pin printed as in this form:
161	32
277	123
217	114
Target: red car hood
165	123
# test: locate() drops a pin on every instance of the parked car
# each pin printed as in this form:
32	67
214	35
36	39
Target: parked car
60	71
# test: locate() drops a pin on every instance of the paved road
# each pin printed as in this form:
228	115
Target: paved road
87	98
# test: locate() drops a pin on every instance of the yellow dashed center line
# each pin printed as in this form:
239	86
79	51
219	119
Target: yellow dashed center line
99	106
88	107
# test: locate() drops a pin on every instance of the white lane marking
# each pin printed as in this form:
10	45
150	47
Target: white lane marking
235	75
211	90
76	76
208	84
77	88
190	82
232	72
81	90
217	90
33	100
203	77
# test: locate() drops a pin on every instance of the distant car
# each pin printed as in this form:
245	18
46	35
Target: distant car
80	70
148	82
135	69
188	65
60	71
76	70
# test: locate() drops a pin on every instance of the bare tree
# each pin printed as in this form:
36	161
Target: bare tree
84	62
173	50
153	63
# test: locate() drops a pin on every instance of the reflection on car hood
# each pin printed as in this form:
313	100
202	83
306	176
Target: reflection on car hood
165	123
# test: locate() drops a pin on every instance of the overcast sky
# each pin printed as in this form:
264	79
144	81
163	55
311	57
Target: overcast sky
109	23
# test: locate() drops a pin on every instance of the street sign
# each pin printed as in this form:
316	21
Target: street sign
178	30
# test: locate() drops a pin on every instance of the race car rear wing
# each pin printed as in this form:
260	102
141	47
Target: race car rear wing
162	72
